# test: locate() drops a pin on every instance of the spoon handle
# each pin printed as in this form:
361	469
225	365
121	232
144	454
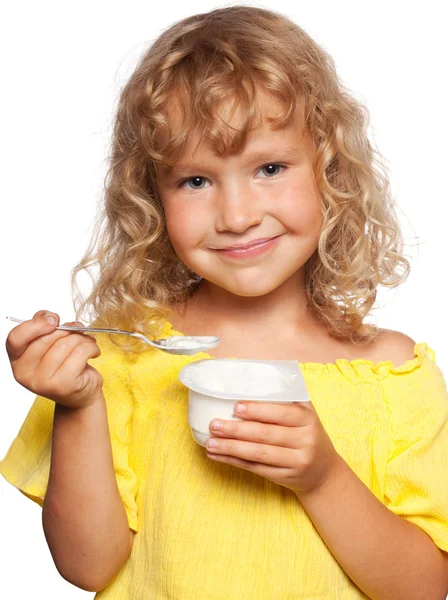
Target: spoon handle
79	328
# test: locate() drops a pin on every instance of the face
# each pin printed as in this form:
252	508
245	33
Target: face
267	192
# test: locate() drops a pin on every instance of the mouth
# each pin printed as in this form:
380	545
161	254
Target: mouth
253	249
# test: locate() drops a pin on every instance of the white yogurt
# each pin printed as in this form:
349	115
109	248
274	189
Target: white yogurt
177	341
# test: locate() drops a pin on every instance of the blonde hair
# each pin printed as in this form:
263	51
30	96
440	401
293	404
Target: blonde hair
197	62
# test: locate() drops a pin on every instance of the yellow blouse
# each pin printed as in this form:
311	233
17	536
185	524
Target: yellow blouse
211	531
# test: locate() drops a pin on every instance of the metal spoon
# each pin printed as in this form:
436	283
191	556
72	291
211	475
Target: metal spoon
187	344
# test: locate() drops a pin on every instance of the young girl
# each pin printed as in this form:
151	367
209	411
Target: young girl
244	201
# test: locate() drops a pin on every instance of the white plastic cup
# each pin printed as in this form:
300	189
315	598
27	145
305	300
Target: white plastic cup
214	388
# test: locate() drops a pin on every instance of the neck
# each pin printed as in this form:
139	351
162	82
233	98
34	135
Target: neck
284	306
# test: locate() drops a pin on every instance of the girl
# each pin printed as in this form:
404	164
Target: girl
245	201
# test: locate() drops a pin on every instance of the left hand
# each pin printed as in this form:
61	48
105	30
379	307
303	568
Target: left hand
285	443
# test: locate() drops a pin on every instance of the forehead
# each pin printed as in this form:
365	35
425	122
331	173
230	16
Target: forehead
228	122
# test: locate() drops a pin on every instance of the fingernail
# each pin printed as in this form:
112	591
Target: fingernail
240	408
50	319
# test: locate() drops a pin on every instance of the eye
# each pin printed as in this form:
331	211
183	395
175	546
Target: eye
274	165
197	179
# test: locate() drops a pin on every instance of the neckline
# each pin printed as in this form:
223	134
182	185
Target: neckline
360	365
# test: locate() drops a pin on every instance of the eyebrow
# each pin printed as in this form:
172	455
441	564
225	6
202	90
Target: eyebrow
259	155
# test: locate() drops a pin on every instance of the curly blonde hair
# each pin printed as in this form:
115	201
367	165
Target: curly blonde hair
200	60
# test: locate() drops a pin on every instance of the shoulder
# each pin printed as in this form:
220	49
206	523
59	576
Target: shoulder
415	389
393	346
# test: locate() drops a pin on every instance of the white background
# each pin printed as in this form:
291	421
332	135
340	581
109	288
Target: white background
62	67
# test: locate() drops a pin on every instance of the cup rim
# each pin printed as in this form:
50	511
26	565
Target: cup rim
185	378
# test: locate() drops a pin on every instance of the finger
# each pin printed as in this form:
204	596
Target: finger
35	352
59	352
273	473
294	414
260	433
260	453
75	367
19	338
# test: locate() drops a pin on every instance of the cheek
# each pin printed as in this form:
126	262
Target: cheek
300	207
184	227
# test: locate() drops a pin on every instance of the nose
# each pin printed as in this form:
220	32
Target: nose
238	209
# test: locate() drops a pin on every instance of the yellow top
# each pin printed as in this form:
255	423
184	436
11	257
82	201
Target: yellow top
212	531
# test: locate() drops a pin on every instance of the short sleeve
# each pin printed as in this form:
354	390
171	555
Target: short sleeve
26	464
416	483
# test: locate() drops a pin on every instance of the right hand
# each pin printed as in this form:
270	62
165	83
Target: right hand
53	363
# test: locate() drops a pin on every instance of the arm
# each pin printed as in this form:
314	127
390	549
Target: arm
84	519
386	556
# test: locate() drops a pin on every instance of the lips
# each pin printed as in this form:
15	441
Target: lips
249	244
250	251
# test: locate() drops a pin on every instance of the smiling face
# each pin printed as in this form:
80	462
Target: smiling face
267	191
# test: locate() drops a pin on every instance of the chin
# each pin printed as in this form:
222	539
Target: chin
250	290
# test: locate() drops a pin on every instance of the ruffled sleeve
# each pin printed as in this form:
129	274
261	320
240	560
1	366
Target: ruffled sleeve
27	463
416	482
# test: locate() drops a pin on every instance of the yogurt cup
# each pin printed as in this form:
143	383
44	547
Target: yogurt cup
215	386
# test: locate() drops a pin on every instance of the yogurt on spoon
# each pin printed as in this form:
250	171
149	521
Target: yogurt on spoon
180	341
186	344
